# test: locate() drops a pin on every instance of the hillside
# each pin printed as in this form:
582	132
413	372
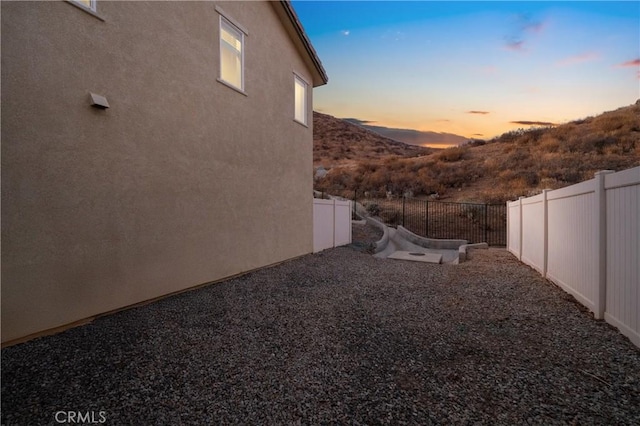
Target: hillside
521	162
338	143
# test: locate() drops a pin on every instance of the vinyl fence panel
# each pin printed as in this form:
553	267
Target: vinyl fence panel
572	249
533	235
586	239
623	252
514	210
331	224
342	223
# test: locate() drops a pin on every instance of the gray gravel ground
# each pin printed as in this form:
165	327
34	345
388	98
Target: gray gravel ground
339	337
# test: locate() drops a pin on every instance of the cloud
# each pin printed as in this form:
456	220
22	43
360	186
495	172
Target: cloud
532	123
524	26
358	121
477	134
578	59
515	45
345	33
478	112
631	63
634	63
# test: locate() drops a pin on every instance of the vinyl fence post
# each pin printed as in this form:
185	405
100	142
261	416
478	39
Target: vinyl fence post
508	214
520	230
335	220
545	230
601	241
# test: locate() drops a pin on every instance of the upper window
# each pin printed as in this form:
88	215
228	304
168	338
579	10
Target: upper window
231	54
89	4
300	102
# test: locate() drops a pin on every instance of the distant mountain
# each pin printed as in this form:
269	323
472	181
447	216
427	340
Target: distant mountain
520	162
339	142
413	137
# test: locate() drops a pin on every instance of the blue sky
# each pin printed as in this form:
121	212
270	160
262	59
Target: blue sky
473	68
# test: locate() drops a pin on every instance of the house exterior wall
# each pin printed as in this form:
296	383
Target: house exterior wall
182	181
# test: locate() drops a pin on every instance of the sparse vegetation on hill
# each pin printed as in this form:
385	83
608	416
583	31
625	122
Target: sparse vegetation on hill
338	142
521	162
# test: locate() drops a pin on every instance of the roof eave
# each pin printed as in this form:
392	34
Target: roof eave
320	75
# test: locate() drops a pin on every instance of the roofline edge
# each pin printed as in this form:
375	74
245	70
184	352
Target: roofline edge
293	16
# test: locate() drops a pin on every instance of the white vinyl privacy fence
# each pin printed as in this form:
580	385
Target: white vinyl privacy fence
331	224
586	239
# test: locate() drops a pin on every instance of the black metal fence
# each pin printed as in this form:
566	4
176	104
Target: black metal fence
437	219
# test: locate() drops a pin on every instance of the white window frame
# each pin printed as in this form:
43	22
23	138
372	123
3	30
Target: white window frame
91	7
223	45
299	81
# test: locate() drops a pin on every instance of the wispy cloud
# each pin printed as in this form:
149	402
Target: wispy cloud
578	59
514	45
631	63
478	112
634	63
345	33
524	26
358	121
477	134
532	123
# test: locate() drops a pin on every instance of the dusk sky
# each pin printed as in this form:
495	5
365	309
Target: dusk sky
473	68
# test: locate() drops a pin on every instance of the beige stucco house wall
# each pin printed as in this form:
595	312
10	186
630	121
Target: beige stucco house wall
183	180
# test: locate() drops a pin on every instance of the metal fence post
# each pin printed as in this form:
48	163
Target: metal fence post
426	222
355	200
403	202
486	224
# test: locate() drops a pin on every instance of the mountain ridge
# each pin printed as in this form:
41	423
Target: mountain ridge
517	163
412	136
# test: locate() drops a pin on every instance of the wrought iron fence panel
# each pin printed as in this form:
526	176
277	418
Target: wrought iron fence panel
438	219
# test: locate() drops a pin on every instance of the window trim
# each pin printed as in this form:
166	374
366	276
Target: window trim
91	10
235	23
297	78
224	20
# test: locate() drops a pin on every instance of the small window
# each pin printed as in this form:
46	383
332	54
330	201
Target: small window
88	4
231	54
300	91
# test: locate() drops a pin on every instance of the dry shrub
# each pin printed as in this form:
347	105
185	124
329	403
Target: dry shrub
549	143
562	133
610	122
452	154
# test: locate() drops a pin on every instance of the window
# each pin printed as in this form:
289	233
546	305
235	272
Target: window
231	54
300	93
89	4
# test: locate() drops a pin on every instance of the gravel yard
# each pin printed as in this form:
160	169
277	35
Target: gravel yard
339	337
